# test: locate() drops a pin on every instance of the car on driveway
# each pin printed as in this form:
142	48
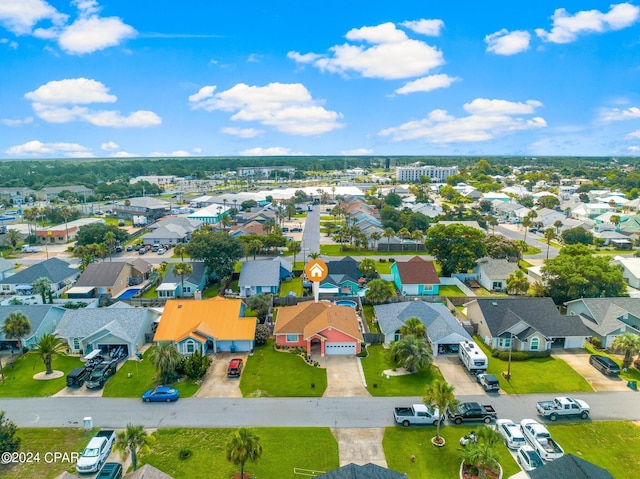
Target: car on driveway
511	433
235	368
605	365
161	394
528	458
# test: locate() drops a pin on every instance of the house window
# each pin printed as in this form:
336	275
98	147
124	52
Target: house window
535	344
292	338
497	285
76	344
191	348
504	343
187	289
428	287
6	287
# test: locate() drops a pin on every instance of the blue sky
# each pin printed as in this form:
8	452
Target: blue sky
87	78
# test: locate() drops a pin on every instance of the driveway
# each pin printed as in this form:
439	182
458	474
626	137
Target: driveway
360	446
455	373
579	361
215	383
343	377
80	392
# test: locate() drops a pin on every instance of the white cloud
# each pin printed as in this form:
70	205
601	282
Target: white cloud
38	148
273	151
254	58
241	132
429	83
197	150
287	107
21	16
357	152
566	27
488	119
505	42
17	122
616	114
634	135
634	149
58	102
124	154
388	53
87	35
204	93
10	43
172	153
430	28
109	146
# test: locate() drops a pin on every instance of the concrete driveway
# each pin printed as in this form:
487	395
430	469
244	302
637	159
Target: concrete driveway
579	361
360	446
215	383
456	374
343	377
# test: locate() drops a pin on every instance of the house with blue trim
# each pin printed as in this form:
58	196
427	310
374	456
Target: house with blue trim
343	277
43	319
172	283
263	276
416	277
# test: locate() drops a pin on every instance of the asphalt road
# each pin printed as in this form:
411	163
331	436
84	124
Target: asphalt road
532	239
284	412
311	233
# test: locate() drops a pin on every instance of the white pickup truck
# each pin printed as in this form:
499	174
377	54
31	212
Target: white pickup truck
416	414
30	249
563	406
96	452
540	439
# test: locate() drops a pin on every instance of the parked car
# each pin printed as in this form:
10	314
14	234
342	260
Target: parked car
605	365
511	433
472	411
563	406
155	248
77	377
110	470
96	452
416	414
101	374
142	251
129	248
161	394
528	458
161	251
235	368
488	381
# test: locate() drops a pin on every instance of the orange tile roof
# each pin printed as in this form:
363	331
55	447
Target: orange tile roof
217	317
310	318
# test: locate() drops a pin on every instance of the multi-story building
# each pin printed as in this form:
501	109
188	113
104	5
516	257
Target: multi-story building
413	174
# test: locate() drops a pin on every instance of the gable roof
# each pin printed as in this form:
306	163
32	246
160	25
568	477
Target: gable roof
197	273
604	312
368	471
217	317
496	268
6	265
417	271
259	273
248	229
124	323
345	269
36	313
55	269
101	274
188	224
309	318
570	466
540	314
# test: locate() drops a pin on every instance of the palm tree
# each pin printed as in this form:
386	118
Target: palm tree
375	237
16	326
440	394
49	346
182	270
481	457
294	248
180	250
517	282
526	222
42	286
388	233
558	225
255	246
132	440
629	344
269	225
549	235
404	233
166	359
244	446
417	236
314	255
30	214
411	353
66	213
414	327
109	242
14	237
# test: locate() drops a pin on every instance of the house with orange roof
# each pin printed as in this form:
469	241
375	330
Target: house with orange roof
416	277
320	328
209	326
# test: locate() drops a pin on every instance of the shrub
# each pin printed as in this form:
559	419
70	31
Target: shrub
597	342
520	355
392	260
184	453
196	365
382	260
363	351
262	334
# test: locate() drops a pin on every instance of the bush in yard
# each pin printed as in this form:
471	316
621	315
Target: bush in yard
8	440
520	355
262	334
261	305
597	342
196	365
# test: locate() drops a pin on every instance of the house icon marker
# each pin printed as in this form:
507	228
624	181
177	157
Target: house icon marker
316	270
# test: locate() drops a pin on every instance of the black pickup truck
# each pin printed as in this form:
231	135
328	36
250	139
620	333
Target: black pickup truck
472	411
100	374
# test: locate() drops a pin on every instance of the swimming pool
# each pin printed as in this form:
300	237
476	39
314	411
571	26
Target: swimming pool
344	302
129	293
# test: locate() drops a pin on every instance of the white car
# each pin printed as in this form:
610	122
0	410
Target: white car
511	433
161	251
528	458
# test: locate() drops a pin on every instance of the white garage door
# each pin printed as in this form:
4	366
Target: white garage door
340	348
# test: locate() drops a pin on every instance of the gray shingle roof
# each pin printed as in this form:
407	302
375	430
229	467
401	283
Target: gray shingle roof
55	269
198	271
570	467
259	273
123	322
368	471
101	274
606	311
35	313
496	268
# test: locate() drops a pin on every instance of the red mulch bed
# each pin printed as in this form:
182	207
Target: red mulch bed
247	475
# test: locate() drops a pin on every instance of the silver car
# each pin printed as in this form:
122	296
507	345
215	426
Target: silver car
528	458
511	433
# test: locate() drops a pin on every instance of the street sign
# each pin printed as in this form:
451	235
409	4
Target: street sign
316	270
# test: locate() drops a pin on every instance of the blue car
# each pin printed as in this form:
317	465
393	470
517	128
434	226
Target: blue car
161	394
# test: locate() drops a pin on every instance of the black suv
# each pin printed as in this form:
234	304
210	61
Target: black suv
605	365
110	470
100	374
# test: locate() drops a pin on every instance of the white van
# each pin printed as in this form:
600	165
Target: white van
472	357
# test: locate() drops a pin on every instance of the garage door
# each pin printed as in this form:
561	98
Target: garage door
340	348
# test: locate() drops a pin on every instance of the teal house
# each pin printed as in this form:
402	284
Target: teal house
416	277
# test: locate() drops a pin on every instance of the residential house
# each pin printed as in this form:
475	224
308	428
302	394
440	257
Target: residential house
118	326
109	278
209	326
171	231
607	318
367	471
172	283
52	193
630	225
210	215
343	277
44	319
443	329
547	217
492	273
525	324
416	277
7	268
320	328
151	208
263	276
630	269
613	238
253	228
148	472
570	466
492	196
56	270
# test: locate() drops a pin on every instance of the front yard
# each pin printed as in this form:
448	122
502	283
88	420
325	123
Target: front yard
408	385
281	374
630	374
537	375
19	380
295	286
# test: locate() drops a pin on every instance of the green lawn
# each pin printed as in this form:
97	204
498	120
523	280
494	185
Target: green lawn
607	444
432	462
450	290
383	268
143	376
532	250
46	440
19	381
631	374
367	309
283	449
294	285
537	375
408	385
282	374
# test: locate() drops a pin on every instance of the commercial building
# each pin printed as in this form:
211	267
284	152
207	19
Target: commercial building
411	174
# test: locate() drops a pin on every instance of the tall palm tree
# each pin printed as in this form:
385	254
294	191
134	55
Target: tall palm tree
244	446
526	222
166	359
16	326
411	353
417	236
66	214
255	246
388	233
182	270
30	214
49	346
180	250
629	344
414	327
132	440
558	225
14	237
294	248
109	241
517	282
42	286
549	235
226	222
404	233
440	394
375	237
